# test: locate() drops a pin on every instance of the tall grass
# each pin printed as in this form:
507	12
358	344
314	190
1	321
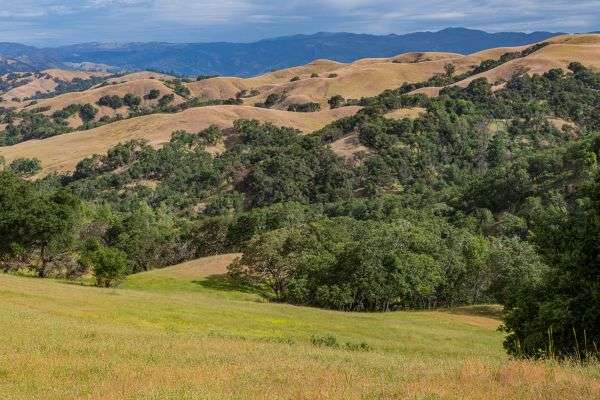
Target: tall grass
64	341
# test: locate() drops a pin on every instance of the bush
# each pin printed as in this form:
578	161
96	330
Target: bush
295	79
336	101
166	100
325	341
305	107
113	101
87	112
25	166
131	100
110	266
153	94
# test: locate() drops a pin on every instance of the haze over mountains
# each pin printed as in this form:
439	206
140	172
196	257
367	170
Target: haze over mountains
247	59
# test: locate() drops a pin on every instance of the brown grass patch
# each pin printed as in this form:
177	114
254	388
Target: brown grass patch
157	129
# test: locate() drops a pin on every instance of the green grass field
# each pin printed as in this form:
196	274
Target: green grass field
182	333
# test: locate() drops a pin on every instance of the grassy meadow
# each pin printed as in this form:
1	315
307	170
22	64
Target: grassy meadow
186	333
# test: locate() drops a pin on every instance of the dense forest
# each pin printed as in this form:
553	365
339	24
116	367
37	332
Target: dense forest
488	196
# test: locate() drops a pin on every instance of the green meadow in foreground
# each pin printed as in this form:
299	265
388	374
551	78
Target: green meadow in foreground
185	333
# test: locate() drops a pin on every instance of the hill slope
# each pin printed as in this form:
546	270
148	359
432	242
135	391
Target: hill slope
157	128
215	341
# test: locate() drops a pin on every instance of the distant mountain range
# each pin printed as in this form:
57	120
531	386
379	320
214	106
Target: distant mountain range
247	59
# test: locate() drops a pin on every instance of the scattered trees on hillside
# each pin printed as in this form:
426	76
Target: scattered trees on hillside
112	101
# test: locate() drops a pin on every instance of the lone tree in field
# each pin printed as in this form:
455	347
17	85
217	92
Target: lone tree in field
267	260
450	69
336	101
110	265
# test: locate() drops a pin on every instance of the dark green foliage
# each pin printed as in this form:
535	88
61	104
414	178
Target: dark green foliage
36	226
271	100
558	313
87	112
336	101
76	85
153	94
110	265
166	100
25	166
131	100
305	107
32	126
113	101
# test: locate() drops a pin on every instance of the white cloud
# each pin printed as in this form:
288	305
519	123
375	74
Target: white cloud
245	20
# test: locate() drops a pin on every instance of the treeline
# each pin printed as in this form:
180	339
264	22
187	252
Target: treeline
486	197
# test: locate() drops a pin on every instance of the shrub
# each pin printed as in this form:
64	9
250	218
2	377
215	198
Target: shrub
87	112
153	94
332	75
110	266
325	341
295	79
25	166
113	101
132	100
305	107
336	101
166	100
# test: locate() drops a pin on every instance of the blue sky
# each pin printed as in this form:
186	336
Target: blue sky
55	22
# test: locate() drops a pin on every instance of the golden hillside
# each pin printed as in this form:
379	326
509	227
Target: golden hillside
561	51
137	87
46	82
136	76
61	153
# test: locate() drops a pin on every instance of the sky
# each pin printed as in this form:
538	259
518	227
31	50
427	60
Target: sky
57	22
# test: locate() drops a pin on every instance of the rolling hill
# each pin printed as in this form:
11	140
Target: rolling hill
157	129
187	332
369	77
315	82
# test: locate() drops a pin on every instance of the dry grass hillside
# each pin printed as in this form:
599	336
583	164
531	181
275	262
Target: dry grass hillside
561	51
138	87
136	76
61	153
45	82
368	77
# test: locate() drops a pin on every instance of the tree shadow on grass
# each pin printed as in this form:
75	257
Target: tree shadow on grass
494	311
227	284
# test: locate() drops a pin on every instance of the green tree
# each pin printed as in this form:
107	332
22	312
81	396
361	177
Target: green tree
110	265
87	112
558	314
25	166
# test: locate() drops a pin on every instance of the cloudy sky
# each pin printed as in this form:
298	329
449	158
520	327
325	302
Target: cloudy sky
55	22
